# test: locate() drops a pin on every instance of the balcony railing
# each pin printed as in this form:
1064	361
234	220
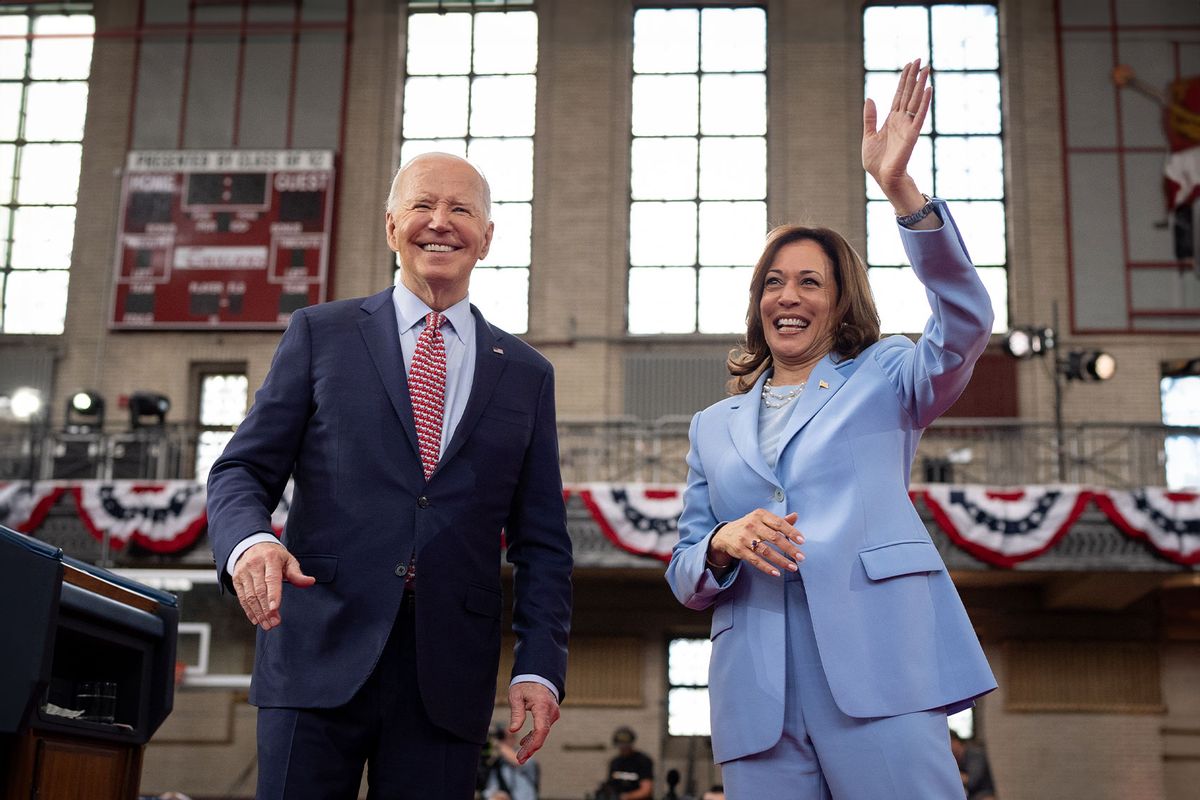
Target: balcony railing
988	452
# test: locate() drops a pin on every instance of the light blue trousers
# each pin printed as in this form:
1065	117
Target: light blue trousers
825	754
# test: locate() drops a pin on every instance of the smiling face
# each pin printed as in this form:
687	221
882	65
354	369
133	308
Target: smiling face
438	223
799	295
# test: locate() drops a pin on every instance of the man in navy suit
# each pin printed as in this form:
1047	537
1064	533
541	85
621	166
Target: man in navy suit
379	611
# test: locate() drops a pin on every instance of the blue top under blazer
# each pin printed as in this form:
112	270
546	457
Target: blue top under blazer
893	635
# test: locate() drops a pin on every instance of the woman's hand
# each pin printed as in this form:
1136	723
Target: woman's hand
761	539
886	150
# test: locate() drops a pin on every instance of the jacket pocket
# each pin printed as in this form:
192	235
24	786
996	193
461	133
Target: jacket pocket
901	558
722	619
482	600
323	568
514	416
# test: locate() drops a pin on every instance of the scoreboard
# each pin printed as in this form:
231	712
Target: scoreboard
222	239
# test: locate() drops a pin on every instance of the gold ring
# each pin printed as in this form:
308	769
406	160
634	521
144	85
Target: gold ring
754	545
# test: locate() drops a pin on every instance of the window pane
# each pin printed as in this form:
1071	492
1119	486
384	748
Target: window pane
982	227
734	169
68	57
503	106
893	36
35	302
724	297
506	42
920	166
734	104
965	37
881	87
10	110
687	712
687	662
662	233
900	299
1180	398
995	280
664	105
49	173
415	147
967	103
209	446
883	237
42	238
733	39
970	167
510	243
1183	462
662	300
663	169
12	51
8	152
502	295
731	234
55	112
665	41
435	108
223	399
508	166
439	44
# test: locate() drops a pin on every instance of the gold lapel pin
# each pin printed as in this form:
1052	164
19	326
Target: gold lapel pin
822	385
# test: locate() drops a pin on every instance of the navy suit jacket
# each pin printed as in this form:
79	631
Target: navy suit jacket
892	633
334	411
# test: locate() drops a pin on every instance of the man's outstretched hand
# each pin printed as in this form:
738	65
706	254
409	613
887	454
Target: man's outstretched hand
258	580
538	701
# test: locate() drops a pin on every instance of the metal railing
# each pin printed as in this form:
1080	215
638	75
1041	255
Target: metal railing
992	452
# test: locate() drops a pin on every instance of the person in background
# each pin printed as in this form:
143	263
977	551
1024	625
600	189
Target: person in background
631	772
839	643
973	768
505	777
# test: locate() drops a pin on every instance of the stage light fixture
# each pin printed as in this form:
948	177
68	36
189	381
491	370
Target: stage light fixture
85	412
1018	343
148	409
1089	365
26	403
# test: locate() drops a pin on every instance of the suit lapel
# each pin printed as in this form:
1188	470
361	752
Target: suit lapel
489	364
743	429
823	383
382	337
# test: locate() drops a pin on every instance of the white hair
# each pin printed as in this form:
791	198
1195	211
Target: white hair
394	192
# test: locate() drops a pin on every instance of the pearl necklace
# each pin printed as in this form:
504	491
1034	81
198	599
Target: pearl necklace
774	398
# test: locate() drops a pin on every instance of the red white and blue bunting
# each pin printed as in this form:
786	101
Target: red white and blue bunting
1004	527
1000	526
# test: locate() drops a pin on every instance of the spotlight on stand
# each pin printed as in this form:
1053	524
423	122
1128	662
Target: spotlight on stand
1027	342
85	412
148	410
1089	365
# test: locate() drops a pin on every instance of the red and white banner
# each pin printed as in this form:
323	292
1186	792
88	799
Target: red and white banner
163	516
1004	527
24	504
639	518
1170	521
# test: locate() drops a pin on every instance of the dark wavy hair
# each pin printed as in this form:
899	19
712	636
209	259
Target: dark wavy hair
854	321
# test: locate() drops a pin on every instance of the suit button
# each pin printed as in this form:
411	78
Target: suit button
401	570
423	501
779	495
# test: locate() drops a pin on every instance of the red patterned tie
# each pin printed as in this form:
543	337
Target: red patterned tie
427	389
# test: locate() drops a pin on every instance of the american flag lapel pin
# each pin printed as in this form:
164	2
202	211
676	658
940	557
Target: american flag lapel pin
498	350
822	385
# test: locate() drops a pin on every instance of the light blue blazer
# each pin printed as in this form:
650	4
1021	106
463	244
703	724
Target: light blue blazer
892	632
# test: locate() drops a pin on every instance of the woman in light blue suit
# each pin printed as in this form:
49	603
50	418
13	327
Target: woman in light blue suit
835	664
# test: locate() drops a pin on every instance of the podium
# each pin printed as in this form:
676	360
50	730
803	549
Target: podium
66	626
